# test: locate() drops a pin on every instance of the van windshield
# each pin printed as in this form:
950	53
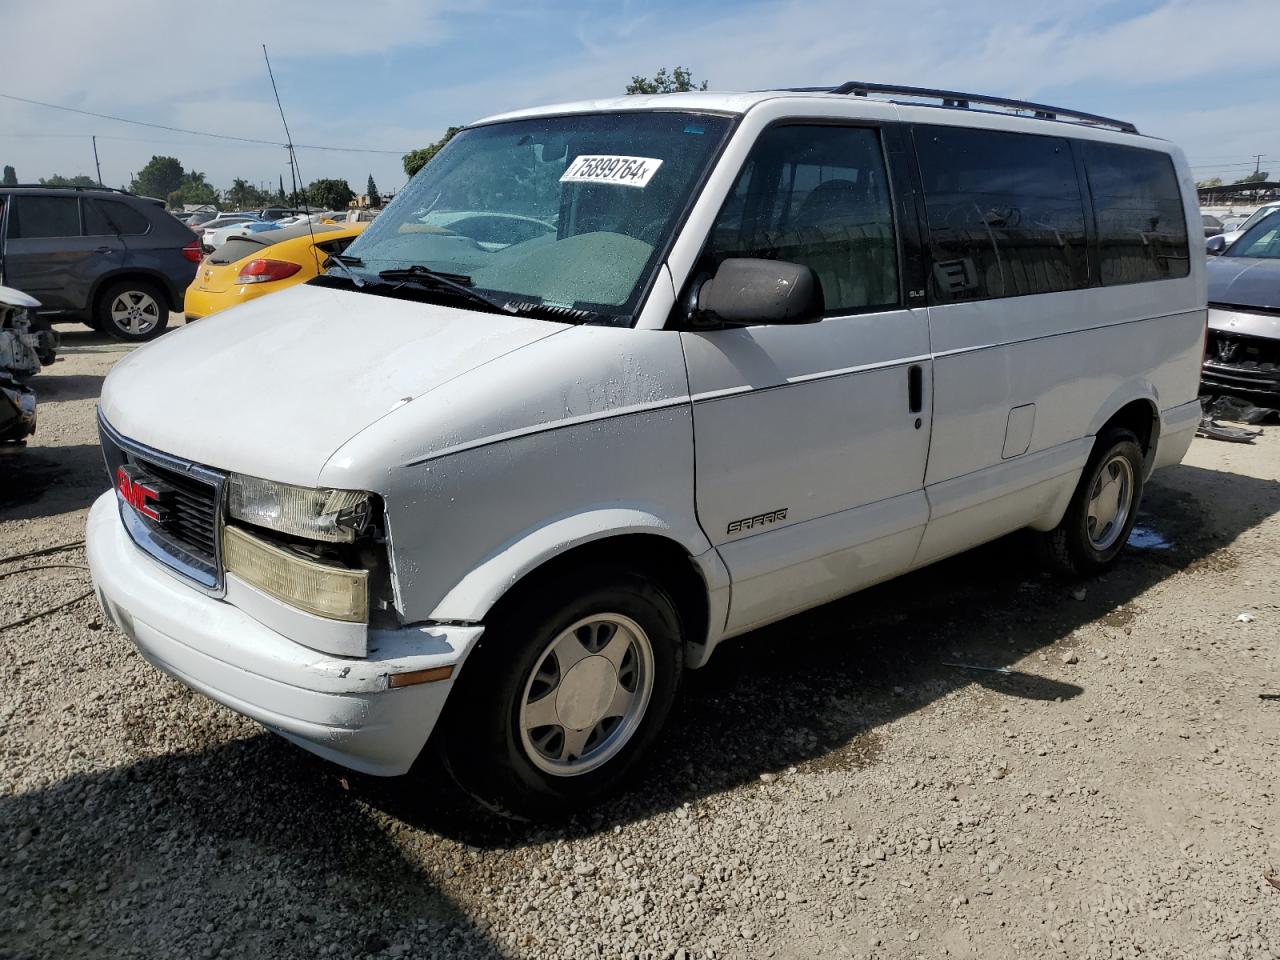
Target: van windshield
569	211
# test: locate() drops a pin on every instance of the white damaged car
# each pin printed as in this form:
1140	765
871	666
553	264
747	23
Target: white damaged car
609	383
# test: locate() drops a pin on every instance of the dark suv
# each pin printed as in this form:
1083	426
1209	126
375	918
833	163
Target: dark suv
117	262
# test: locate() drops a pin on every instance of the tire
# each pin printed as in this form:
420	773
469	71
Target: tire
1090	536
627	630
132	310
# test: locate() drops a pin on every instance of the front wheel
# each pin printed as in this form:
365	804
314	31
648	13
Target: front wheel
1103	509
565	694
132	310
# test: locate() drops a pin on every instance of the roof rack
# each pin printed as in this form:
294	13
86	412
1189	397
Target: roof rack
67	186
961	101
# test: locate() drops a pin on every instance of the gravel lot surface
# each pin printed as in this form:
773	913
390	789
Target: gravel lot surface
830	787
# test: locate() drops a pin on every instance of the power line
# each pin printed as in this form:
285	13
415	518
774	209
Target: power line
194	133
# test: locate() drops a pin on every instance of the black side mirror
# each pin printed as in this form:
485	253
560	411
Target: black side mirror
748	292
1215	245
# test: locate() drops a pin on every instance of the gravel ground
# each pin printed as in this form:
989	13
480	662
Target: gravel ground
832	786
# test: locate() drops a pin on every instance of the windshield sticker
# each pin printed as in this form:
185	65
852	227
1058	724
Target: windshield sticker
627	171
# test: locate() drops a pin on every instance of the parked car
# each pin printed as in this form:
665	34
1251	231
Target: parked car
1232	224
276	213
214	233
1212	225
251	266
1230	237
117	262
24	348
778	347
246	229
1242	353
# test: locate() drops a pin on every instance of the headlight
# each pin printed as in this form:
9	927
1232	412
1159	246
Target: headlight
326	591
338	516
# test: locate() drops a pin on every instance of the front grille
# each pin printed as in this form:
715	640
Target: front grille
187	504
191	517
1234	362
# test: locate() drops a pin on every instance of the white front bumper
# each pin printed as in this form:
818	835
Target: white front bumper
340	708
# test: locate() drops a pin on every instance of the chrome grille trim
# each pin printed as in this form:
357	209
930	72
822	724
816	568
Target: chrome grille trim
189	543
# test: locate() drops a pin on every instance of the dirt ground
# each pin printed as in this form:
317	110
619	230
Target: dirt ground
842	784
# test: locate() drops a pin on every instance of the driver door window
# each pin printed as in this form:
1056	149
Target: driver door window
816	195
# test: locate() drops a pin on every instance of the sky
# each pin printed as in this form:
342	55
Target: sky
392	75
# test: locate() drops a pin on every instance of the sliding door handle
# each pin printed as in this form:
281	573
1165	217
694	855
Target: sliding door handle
915	388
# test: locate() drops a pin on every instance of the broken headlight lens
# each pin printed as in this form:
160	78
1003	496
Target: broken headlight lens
338	516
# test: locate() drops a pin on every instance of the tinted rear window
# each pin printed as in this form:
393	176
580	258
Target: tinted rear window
112	217
34	217
1005	214
1142	230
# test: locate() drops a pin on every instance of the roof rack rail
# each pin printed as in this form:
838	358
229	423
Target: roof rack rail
67	186
961	101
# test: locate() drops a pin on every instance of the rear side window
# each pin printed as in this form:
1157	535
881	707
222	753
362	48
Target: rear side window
1005	214
112	217
35	217
816	195
1142	230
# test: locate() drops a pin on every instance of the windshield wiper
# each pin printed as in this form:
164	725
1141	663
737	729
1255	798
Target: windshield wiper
337	259
453	282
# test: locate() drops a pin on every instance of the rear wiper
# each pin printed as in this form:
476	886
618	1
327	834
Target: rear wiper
453	282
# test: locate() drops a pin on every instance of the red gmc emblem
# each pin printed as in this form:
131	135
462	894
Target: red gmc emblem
140	492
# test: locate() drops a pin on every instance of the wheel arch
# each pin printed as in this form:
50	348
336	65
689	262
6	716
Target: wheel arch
697	578
1135	407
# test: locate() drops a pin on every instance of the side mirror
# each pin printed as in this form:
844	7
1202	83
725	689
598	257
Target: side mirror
1215	245
749	292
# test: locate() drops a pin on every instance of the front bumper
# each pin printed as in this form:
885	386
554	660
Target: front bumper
340	708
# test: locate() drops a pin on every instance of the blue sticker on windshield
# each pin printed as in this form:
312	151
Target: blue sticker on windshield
695	128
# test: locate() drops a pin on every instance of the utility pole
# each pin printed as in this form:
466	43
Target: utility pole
1257	163
96	164
293	180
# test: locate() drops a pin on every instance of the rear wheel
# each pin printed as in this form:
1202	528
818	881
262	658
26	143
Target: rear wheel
132	310
1103	509
565	694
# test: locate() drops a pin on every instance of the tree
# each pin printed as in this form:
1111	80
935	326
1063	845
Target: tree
1211	182
159	178
371	191
195	190
79	180
415	160
330	194
280	196
679	80
1258	177
10	176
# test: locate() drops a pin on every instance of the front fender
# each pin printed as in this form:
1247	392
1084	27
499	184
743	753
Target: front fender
486	583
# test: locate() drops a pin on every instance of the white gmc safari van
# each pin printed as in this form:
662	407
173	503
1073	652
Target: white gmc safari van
612	382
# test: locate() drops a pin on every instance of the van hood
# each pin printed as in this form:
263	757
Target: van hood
273	387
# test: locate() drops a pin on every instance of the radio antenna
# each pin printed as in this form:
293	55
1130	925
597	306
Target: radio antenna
293	156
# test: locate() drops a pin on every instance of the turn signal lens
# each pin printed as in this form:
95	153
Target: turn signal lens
326	591
265	271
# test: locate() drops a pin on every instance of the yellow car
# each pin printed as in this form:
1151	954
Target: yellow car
252	266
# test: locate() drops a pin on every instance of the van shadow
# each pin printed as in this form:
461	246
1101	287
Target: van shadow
815	688
246	850
45	481
50	387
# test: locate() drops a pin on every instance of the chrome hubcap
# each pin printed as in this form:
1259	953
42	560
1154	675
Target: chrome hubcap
587	694
1110	501
135	312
